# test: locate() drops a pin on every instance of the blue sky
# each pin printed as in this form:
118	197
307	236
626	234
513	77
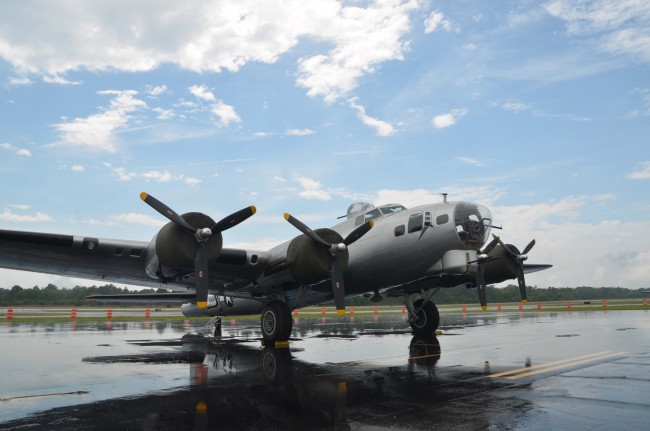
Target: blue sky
539	110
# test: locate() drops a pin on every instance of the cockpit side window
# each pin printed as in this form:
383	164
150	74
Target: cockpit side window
371	215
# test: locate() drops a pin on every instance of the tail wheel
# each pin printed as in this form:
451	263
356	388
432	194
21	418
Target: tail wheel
425	321
276	322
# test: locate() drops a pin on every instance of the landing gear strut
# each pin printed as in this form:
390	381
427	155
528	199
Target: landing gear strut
425	319
276	322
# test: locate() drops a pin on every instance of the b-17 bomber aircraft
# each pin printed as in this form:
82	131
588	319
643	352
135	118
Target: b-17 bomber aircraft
387	250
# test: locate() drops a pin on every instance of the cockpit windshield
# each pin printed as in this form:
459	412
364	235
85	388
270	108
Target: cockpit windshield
391	209
473	223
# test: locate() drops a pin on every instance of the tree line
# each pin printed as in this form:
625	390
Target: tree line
53	295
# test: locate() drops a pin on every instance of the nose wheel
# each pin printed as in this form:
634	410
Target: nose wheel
426	318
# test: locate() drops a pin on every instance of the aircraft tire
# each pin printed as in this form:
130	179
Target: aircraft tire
276	322
427	320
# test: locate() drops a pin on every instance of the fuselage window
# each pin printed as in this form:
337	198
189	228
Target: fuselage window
442	219
415	222
359	220
399	230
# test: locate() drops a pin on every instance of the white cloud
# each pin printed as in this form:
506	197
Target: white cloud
299	132
154	175
164	114
8	215
312	189
619	26
226	113
18	151
643	172
20	81
515	107
383	128
202	92
22	207
470	161
98	131
137	218
362	38
59	80
437	20
210	36
576	247
158	90
77	168
449	119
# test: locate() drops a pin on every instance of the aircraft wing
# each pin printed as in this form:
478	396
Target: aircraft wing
146	298
531	267
114	261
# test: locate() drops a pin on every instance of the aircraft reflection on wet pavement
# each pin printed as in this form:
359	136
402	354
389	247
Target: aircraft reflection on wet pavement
234	384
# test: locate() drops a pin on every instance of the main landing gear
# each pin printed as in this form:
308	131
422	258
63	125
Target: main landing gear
276	322
424	317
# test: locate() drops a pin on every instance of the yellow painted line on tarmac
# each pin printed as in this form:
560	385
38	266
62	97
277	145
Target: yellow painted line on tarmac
556	365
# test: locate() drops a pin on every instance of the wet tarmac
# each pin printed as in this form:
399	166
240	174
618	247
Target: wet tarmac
539	371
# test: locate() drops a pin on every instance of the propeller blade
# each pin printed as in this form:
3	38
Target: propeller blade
522	283
529	247
510	252
233	219
166	211
338	286
306	230
480	287
202	276
490	246
358	232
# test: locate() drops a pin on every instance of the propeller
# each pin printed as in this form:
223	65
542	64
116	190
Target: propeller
338	287
518	260
201	235
480	287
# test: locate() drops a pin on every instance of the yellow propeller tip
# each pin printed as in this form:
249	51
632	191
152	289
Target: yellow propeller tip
525	301
372	224
484	307
143	195
253	209
286	216
340	312
202	304
201	407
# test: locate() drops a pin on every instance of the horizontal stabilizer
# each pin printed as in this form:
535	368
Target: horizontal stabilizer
531	267
147	298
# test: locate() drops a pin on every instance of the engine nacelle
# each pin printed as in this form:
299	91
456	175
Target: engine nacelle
301	260
173	250
308	261
501	269
176	248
